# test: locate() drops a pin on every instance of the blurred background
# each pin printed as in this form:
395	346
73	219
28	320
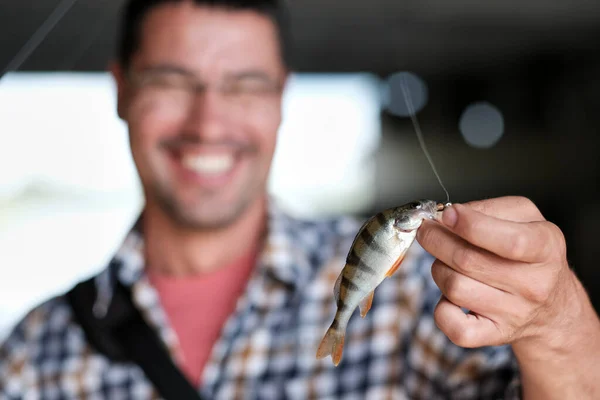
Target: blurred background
506	93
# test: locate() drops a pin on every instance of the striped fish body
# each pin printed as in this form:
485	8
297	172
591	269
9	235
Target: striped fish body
376	253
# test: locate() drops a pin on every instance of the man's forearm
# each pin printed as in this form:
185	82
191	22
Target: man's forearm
566	367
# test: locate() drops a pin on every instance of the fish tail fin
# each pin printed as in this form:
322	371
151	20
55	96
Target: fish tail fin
332	343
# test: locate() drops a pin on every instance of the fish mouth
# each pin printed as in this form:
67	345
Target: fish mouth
442	206
429	208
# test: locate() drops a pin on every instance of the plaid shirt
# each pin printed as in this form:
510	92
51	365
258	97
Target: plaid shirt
267	347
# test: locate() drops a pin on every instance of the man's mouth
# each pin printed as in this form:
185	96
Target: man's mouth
208	164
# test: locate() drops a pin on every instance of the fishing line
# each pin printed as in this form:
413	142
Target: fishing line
38	37
413	117
86	42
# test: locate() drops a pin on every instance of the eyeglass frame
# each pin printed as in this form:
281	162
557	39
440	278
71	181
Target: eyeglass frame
194	86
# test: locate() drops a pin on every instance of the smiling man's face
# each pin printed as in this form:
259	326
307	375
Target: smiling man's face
203	155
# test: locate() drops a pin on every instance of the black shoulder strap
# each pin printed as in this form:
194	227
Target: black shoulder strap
124	335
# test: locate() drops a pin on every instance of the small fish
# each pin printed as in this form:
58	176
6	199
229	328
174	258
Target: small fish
376	253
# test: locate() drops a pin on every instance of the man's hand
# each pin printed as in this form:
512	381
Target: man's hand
507	265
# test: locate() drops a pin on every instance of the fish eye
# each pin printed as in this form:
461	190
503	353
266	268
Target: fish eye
415	205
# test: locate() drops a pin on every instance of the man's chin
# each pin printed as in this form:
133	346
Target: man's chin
203	221
206	217
205	212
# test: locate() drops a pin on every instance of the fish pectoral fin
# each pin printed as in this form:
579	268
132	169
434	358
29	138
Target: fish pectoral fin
397	241
396	237
365	304
395	266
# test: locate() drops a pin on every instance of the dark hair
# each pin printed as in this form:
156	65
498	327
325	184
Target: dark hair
136	10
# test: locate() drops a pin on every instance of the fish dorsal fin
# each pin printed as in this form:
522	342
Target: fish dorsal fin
336	288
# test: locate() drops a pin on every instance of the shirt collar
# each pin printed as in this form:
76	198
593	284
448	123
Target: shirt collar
287	256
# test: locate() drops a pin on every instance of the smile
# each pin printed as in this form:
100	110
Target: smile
208	164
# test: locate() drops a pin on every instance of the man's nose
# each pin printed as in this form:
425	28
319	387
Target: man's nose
208	114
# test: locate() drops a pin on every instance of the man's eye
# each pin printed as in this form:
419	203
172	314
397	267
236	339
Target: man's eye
166	82
249	87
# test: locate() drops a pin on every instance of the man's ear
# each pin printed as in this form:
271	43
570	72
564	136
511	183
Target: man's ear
116	69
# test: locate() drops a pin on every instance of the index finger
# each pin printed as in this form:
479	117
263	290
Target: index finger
511	208
518	241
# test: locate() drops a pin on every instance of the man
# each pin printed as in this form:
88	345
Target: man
242	294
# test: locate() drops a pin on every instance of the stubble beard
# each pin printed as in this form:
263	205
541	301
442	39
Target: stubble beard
203	217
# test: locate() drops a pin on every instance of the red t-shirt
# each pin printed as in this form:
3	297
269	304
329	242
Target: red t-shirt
198	306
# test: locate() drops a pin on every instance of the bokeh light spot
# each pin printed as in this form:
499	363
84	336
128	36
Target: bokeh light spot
481	125
393	95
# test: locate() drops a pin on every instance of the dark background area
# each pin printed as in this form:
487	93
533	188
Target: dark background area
536	61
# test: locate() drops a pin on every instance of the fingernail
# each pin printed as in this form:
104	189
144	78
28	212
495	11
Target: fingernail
450	216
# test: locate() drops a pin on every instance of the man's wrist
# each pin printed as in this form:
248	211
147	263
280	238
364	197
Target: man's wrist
562	360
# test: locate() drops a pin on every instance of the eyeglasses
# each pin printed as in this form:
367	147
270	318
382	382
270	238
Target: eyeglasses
245	89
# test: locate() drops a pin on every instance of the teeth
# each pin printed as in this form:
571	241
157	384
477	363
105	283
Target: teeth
208	164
